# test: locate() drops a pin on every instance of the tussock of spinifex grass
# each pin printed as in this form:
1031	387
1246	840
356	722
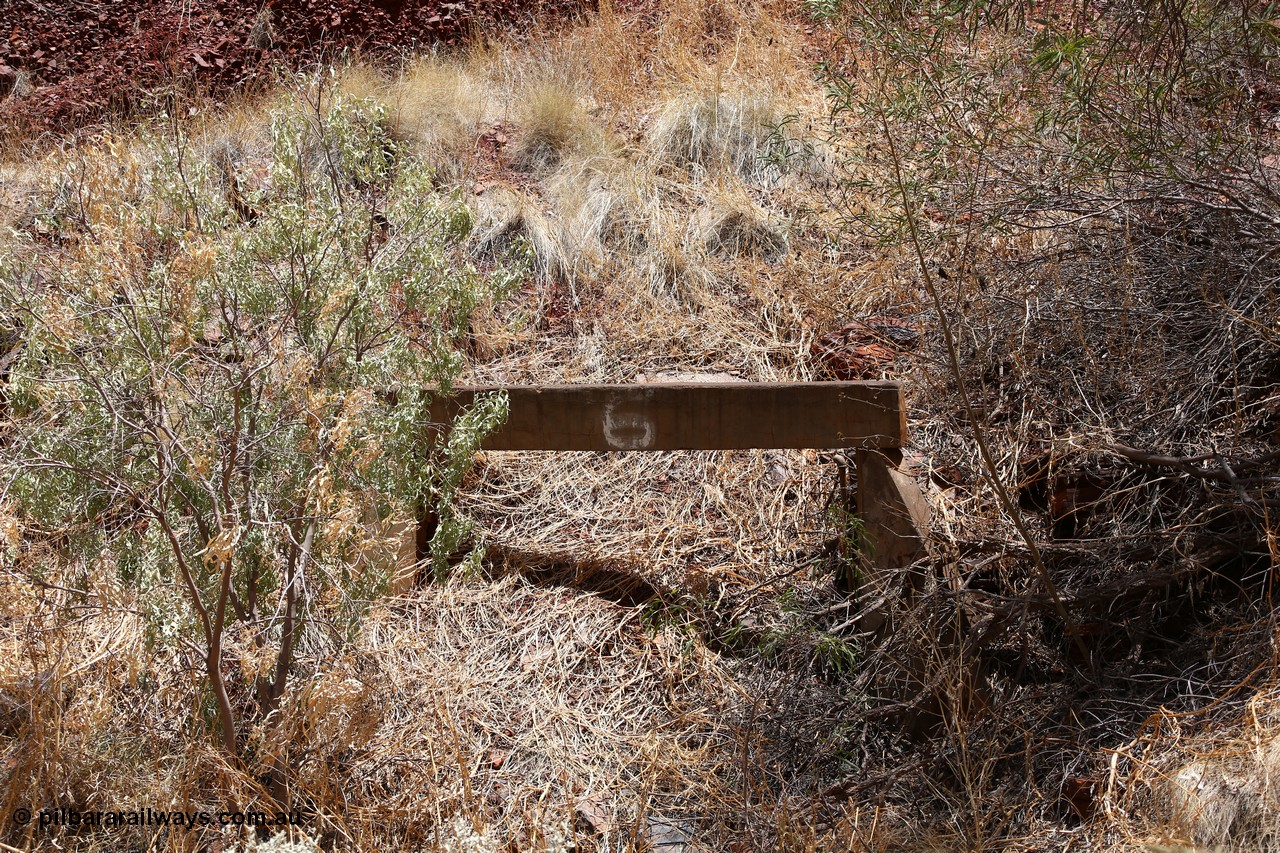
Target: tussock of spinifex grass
508	222
732	223
624	190
439	108
554	126
714	130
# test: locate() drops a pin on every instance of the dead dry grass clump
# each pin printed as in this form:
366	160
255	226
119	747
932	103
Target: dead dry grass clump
1208	780
555	126
527	706
672	268
684	518
361	80
731	223
1230	801
508	221
20	183
623	224
629	335
605	206
471	715
709	130
440	107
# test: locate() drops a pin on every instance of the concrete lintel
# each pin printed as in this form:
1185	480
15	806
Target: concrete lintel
693	416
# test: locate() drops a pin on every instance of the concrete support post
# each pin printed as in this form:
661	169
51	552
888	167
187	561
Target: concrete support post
895	520
414	538
406	571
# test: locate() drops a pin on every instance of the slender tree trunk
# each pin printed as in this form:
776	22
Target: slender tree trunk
214	662
213	668
289	629
284	660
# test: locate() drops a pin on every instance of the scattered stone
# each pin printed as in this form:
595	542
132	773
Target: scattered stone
865	349
594	811
666	836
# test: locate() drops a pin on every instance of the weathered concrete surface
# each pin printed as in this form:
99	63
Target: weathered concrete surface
895	524
694	416
932	683
893	510
408	558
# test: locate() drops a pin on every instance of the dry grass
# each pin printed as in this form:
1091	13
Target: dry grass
19	183
507	222
440	108
716	130
682	520
597	203
555	126
732	223
1205	780
490	713
495	701
606	205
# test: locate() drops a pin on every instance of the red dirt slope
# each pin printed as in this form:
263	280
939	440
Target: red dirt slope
85	58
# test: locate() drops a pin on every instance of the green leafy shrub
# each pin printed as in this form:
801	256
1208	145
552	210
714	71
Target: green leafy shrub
200	380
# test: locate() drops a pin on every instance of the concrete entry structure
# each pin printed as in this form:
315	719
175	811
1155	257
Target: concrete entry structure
866	417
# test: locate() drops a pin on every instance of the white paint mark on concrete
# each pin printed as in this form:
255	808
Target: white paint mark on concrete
627	430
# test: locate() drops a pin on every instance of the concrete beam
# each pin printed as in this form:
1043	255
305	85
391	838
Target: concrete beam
693	416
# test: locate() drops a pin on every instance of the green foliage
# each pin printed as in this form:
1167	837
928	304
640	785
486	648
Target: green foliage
995	119
786	147
831	655
455	454
682	618
851	543
201	380
835	656
823	10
